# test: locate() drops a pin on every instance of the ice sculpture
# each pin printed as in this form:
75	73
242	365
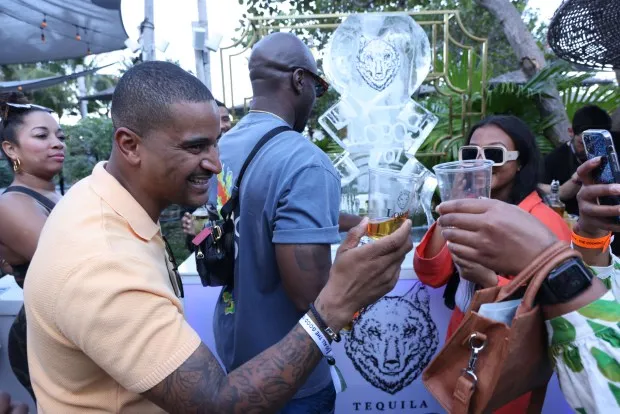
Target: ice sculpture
376	62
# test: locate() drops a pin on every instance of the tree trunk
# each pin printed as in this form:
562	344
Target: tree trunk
532	60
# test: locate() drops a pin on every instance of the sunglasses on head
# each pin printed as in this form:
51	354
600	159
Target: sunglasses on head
10	107
320	85
496	153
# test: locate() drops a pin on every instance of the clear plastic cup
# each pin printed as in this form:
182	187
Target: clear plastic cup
464	179
391	197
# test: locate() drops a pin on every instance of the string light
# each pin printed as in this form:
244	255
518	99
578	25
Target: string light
77	34
44	22
88	51
42	36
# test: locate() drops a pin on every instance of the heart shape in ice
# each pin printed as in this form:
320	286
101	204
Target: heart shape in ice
370	53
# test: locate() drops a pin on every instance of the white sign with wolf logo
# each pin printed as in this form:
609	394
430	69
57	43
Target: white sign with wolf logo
393	340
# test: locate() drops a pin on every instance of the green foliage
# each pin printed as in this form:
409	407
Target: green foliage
62	98
173	232
90	141
59	97
520	100
6	173
475	18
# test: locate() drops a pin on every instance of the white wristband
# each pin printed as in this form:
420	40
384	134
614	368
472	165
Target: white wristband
323	344
317	336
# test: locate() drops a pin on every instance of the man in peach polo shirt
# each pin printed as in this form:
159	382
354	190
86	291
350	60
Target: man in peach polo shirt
106	331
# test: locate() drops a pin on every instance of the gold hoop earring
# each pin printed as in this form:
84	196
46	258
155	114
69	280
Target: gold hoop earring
17	165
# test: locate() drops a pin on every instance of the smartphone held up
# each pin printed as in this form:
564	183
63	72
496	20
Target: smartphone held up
599	143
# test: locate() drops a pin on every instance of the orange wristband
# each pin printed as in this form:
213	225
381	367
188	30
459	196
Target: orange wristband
588	243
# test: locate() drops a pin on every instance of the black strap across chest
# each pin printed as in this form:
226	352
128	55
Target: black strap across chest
41	199
232	202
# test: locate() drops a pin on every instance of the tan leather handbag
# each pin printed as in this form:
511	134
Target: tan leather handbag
487	363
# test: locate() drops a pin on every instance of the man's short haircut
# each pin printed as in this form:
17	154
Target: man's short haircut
220	104
590	117
143	95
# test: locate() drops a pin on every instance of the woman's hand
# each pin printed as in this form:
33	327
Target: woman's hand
595	220
475	273
187	222
497	235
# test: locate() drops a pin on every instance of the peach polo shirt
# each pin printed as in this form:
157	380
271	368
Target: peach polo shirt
104	321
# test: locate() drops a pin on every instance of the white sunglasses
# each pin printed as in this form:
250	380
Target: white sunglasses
496	153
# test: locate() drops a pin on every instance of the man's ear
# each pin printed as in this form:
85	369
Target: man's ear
297	81
571	132
128	142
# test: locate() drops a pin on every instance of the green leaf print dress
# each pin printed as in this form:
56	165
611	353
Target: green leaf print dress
585	349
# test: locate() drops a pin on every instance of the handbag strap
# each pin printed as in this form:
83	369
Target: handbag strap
232	202
531	270
464	391
40	198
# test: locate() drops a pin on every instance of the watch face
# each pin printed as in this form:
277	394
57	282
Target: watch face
569	279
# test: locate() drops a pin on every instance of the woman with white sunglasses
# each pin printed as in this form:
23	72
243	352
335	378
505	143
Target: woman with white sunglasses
510	143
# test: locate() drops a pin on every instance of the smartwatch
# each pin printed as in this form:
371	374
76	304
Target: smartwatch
565	282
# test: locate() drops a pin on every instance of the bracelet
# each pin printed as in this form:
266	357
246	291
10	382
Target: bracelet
323	344
335	336
589	243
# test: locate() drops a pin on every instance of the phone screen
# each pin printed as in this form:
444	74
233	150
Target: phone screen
598	143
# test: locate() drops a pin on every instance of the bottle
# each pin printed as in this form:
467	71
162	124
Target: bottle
554	199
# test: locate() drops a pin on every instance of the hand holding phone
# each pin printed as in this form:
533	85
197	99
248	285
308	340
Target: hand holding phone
599	143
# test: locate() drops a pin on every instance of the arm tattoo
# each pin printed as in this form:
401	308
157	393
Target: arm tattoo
312	257
262	385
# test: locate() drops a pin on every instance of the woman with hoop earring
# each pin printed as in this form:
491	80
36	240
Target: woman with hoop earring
33	143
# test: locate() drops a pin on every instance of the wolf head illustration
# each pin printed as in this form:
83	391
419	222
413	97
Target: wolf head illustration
393	340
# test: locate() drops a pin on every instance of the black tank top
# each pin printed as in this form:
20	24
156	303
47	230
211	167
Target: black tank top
19	271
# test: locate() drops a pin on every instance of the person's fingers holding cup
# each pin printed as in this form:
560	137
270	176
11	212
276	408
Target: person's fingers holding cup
354	236
361	275
393	246
187	223
379	262
501	236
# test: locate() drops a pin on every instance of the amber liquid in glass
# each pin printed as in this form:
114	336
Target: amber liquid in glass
378	228
558	209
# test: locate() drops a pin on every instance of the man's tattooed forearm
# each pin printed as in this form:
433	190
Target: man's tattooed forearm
262	385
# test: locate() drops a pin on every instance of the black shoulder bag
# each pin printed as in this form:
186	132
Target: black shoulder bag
215	244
